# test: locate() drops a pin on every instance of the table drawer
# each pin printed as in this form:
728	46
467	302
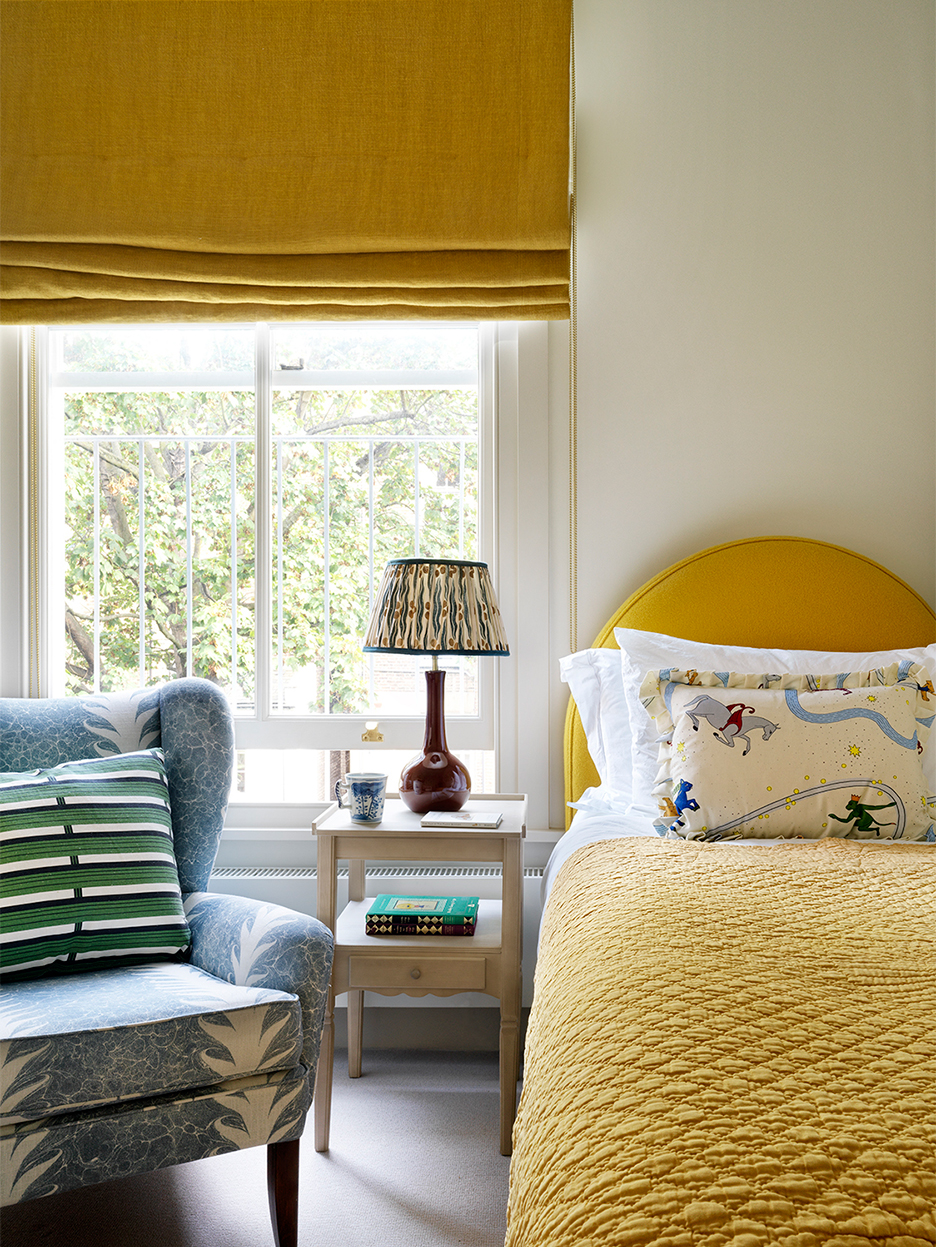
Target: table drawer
454	973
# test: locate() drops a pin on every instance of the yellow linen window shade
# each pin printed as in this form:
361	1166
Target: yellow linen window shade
219	160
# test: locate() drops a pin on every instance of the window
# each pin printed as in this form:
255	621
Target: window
182	459
235	398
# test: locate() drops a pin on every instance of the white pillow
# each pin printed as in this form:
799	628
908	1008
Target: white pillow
645	651
596	683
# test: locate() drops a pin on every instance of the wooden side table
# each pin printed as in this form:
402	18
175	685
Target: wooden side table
422	965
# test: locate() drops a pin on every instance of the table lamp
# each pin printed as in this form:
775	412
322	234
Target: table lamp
435	606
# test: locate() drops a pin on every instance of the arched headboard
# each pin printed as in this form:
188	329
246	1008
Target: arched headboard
770	592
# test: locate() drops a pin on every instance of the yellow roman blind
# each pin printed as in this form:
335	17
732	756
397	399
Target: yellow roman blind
239	160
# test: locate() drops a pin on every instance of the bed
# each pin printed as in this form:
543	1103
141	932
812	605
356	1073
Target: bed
731	1040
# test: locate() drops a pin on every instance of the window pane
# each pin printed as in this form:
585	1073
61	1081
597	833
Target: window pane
352	504
262	776
159	540
344	348
448	497
300	611
159	413
399	684
153	349
362	476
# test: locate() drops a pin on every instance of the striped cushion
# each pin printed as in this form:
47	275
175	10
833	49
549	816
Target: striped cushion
87	869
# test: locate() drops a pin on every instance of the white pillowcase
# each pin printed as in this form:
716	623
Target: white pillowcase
645	651
831	755
596	683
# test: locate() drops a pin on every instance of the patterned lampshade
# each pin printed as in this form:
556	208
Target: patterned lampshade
436	606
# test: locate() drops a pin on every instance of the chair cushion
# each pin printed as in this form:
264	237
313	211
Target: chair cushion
88	869
77	1041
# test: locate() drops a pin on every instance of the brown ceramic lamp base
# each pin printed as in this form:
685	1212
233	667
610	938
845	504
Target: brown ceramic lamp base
434	779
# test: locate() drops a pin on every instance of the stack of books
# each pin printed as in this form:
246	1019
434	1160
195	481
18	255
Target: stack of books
422	915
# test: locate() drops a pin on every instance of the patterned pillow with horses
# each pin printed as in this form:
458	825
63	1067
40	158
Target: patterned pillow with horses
778	756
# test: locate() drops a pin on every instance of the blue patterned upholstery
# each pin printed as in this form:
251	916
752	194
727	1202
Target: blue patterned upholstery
105	1026
114	1071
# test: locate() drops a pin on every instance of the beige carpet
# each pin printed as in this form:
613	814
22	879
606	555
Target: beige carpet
413	1162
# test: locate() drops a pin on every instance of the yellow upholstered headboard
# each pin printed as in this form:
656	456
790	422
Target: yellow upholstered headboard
769	592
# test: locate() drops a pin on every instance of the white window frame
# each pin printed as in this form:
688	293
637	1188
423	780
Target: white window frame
516	388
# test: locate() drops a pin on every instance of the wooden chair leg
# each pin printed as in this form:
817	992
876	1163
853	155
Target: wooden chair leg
283	1189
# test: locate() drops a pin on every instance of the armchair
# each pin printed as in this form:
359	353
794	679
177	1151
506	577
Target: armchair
133	1067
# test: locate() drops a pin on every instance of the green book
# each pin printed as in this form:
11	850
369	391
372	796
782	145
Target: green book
424	926
446	909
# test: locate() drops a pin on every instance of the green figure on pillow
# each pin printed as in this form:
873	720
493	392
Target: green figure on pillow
861	817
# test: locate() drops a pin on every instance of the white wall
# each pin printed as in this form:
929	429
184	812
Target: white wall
755	289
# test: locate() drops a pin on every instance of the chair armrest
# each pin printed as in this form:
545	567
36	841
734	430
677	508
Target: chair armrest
254	944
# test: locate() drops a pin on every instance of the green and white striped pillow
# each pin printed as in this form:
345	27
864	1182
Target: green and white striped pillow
87	868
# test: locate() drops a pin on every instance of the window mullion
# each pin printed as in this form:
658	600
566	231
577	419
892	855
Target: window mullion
279	691
189	578
326	559
232	457
371	587
96	479
461	498
416	524
141	561
263	539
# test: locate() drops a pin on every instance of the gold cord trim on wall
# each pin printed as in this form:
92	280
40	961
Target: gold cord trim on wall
32	487
573	379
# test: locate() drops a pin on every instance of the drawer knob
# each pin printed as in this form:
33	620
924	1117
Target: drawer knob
415	974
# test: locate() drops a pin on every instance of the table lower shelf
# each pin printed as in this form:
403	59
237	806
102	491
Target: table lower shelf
350	932
418	964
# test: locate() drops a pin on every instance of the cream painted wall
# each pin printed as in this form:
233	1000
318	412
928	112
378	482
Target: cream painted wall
755	290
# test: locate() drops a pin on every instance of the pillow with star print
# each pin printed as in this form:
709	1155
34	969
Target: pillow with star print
779	756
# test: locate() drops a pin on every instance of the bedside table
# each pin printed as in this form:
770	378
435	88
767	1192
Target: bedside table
423	965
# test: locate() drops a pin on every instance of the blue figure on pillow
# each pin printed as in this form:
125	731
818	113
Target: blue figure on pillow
673	807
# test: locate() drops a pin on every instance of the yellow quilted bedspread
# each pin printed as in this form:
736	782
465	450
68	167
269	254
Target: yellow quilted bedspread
732	1045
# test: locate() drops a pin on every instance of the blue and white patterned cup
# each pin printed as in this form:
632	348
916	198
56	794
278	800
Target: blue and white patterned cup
365	791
